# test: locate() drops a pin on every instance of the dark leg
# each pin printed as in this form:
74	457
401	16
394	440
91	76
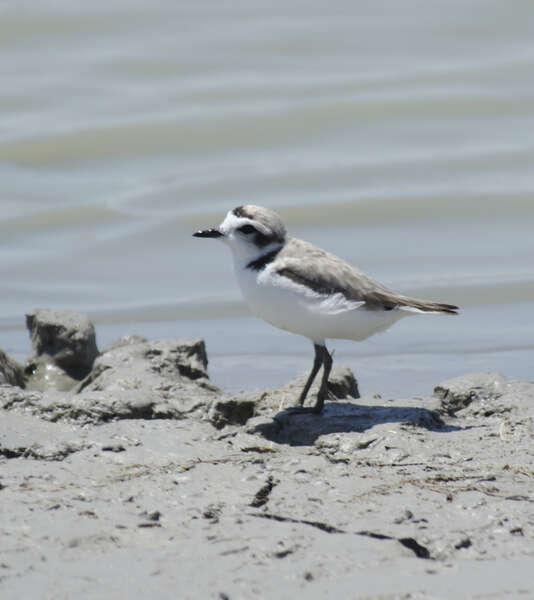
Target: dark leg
317	362
322	357
323	390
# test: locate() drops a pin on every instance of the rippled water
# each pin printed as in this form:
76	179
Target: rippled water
397	135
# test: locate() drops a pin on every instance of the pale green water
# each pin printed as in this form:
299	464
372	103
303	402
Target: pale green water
397	135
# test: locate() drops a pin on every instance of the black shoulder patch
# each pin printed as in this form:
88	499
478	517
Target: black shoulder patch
261	262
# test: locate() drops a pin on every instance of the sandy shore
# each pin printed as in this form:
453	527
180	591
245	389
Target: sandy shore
126	473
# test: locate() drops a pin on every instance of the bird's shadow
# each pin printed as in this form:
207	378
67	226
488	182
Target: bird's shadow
297	429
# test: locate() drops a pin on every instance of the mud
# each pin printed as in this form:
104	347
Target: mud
145	480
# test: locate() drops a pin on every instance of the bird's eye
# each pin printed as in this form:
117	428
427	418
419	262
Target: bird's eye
246	229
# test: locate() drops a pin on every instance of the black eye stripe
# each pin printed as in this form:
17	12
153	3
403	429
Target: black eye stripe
246	229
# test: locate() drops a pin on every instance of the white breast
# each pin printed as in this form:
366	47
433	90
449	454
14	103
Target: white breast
293	307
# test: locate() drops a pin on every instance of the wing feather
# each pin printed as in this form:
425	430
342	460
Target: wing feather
327	274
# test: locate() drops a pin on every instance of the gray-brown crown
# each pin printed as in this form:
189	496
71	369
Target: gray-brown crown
264	216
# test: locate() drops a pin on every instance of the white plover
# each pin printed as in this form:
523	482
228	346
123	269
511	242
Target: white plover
300	288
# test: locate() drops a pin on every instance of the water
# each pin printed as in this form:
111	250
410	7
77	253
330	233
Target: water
397	135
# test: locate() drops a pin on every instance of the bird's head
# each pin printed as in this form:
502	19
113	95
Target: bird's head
249	231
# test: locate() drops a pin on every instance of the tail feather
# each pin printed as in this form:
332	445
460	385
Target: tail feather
428	306
386	300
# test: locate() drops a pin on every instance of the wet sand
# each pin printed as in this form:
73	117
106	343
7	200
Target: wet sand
146	480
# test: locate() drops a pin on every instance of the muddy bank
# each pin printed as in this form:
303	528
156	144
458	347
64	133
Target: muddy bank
126	473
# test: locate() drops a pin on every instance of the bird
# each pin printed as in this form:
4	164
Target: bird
300	288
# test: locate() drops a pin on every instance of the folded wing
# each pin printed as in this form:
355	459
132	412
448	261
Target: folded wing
326	274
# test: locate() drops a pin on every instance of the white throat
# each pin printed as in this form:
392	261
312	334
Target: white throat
245	254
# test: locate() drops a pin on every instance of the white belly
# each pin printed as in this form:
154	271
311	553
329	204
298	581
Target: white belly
292	307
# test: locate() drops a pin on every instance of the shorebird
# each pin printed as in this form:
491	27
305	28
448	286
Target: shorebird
298	287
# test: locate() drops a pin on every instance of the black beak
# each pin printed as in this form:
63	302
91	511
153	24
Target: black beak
208	233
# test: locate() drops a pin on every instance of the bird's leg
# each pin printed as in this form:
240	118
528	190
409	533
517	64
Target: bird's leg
322	357
323	390
317	362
